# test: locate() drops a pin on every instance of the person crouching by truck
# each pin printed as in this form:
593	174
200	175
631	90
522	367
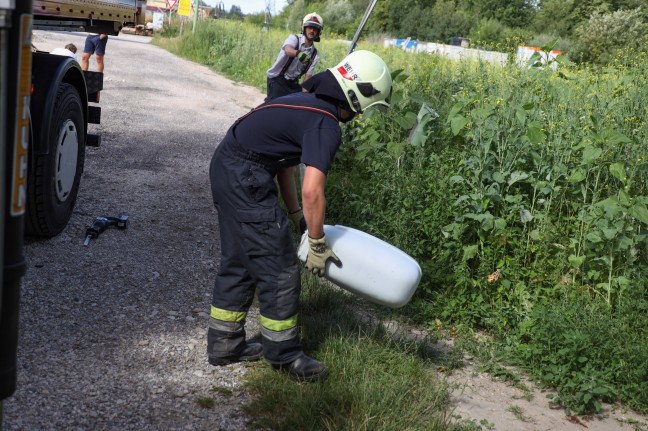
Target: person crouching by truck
297	57
257	247
69	50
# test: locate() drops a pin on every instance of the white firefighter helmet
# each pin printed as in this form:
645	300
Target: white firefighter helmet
313	20
364	79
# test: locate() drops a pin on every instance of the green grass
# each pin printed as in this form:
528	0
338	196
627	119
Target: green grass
206	402
374	383
238	50
518	412
226	392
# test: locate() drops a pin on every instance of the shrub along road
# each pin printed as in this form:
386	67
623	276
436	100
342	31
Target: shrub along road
112	335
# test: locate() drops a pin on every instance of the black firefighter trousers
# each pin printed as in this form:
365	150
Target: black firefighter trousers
257	252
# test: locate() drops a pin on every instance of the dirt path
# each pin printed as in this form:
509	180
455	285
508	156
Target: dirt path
113	335
503	407
481	401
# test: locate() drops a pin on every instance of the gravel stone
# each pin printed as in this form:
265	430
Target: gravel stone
112	336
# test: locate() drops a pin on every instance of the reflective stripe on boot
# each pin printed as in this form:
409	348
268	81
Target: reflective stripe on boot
226	334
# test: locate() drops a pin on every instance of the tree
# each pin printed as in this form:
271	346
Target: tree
488	31
555	17
606	33
400	21
415	25
379	22
513	13
338	16
235	12
297	12
562	17
447	21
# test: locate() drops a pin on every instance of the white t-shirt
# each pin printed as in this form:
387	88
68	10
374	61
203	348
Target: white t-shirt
63	51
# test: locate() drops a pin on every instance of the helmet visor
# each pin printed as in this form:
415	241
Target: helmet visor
382	107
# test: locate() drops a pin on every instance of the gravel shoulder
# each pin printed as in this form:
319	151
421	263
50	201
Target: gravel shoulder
113	335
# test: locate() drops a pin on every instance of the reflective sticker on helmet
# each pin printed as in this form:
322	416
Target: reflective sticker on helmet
347	72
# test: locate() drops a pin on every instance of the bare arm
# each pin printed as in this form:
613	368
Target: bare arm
314	201
290	50
286	180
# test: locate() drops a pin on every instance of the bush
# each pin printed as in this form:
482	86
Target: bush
606	33
518	190
588	353
487	32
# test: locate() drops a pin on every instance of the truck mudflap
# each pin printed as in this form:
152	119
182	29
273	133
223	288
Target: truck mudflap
94	85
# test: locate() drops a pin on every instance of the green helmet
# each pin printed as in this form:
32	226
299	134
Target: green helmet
364	79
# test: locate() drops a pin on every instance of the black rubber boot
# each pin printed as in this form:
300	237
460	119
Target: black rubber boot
251	352
304	369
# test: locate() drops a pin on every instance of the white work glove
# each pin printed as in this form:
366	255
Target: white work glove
298	221
318	253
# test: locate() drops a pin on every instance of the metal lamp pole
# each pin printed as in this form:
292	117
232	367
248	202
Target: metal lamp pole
196	9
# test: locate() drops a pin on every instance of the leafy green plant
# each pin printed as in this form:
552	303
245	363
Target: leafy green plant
586	353
525	201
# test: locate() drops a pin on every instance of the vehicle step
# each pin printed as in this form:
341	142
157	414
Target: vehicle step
93	140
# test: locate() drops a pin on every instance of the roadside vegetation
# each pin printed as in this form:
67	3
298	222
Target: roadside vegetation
376	382
588	31
523	194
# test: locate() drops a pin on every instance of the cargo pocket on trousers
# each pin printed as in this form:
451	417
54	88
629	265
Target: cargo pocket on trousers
260	231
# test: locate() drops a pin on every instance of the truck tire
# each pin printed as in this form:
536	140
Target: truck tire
53	182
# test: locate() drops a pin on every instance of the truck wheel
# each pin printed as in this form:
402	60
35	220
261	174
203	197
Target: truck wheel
54	178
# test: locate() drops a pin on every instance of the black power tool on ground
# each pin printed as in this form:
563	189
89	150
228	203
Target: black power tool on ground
102	223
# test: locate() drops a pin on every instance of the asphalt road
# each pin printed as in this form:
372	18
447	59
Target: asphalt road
113	335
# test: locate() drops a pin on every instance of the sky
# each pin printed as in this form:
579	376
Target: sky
249	6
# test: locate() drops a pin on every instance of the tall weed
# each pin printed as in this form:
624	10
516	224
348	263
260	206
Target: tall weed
522	192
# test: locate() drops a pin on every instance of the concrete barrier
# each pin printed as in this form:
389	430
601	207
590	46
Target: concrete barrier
452	52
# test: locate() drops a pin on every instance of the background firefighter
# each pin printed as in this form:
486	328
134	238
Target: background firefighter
297	57
257	247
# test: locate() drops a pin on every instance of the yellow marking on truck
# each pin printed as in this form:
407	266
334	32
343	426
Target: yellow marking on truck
21	140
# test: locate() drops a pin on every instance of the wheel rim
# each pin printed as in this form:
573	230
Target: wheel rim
67	151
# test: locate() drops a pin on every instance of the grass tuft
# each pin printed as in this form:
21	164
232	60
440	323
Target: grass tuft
205	402
374	383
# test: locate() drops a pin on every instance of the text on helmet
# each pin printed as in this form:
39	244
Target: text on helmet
347	72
